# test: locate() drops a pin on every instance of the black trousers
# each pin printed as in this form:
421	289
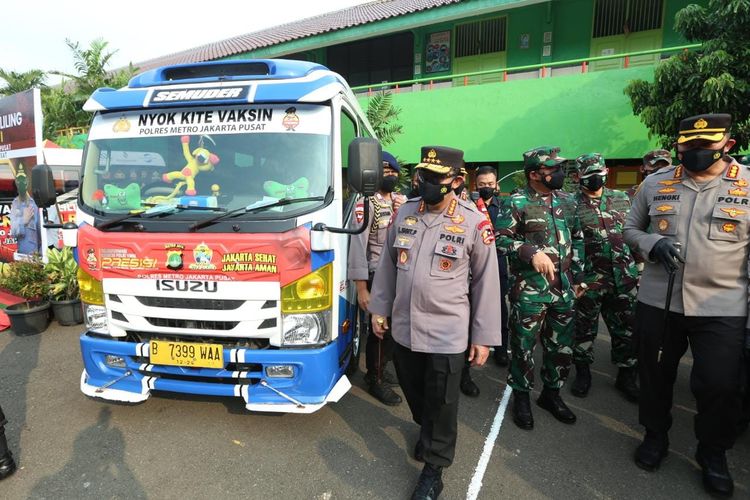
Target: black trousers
3	441
716	345
430	383
377	352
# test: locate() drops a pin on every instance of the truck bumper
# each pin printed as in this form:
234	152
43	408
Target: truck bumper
317	378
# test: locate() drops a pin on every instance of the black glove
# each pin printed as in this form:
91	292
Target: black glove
666	253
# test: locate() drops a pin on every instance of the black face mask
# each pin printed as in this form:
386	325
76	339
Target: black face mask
557	178
699	159
459	189
486	193
432	194
389	183
594	182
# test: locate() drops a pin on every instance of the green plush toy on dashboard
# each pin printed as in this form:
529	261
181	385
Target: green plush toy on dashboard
127	198
297	189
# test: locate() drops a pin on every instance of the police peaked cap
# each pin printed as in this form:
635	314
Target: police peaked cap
441	160
708	127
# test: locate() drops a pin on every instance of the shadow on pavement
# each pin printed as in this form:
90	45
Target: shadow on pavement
102	474
20	357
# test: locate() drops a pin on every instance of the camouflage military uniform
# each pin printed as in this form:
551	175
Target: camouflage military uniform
611	275
531	222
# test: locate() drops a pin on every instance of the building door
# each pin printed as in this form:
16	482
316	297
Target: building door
623	26
480	46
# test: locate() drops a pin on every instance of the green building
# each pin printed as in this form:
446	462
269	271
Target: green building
492	77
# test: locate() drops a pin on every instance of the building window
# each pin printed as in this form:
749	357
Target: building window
481	37
620	17
376	60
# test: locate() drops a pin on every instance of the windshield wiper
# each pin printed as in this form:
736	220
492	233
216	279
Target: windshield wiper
154	211
258	206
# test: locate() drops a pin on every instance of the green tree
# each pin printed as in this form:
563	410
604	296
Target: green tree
63	106
20	82
712	80
383	116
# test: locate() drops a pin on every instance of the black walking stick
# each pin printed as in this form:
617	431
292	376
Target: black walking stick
667	304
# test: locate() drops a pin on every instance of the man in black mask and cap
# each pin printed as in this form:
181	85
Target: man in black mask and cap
692	222
364	255
538	230
422	281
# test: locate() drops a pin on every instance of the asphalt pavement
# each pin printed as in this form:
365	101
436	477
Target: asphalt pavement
176	446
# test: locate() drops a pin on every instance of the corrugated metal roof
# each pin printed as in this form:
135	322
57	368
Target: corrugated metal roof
332	21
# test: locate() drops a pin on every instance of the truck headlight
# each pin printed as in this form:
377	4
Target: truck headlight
306	329
96	318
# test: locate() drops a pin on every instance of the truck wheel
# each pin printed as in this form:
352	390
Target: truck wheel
359	327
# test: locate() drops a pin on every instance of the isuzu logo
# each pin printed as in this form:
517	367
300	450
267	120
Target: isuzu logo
186	286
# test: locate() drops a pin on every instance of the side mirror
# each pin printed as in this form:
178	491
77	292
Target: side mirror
43	186
365	171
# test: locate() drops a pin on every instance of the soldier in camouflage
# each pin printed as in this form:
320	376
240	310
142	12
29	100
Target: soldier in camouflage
538	231
611	277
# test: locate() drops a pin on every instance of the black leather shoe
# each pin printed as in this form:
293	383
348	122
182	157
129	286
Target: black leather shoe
651	451
716	478
627	384
7	465
468	386
551	401
430	483
419	451
522	416
385	394
500	355
582	383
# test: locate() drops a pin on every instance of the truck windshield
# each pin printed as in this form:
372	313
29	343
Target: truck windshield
224	157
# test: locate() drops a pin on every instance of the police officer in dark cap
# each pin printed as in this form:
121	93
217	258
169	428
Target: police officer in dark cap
7	465
422	282
692	222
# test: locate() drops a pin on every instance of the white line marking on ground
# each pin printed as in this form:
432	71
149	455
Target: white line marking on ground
489	444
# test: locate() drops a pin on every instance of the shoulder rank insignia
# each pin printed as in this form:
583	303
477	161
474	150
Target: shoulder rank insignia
670	182
733	212
452	208
421	206
664	208
667	190
454	229
738	192
740	183
733	171
677	172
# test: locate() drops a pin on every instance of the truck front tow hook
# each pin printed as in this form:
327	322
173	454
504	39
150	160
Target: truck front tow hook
288	398
109	384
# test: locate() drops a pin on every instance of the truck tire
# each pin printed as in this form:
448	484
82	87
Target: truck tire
357	331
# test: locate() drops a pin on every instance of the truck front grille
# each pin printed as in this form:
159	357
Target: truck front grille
192	323
179	303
